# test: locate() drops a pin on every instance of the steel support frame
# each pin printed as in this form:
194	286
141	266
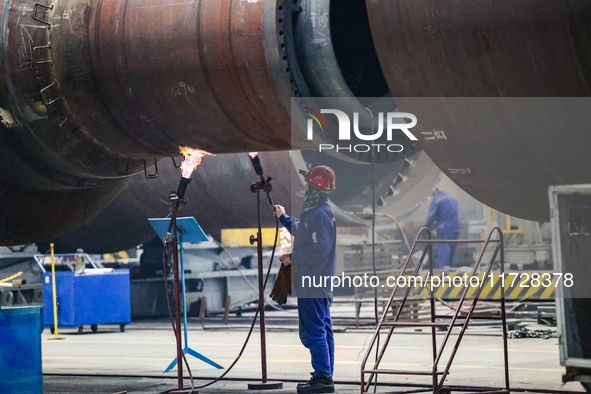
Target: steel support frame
438	378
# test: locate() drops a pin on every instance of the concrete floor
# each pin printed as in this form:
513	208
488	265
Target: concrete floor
146	348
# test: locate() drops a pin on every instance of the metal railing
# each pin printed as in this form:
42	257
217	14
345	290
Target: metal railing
436	321
64	260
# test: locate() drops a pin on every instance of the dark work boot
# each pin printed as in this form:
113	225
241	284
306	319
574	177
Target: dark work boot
317	385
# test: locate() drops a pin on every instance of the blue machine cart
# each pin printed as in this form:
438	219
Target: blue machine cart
93	298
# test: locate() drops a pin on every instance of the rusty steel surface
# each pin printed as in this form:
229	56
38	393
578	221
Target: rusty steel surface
528	48
92	93
97	87
192	73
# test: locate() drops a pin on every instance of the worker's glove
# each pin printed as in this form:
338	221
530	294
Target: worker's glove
285	259
279	210
282	287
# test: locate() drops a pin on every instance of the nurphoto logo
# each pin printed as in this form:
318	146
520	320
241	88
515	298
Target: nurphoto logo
393	121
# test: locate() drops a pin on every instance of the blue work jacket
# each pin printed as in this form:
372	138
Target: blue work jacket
314	249
444	211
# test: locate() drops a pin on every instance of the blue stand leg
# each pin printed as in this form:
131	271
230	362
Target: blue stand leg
171	366
187	349
191	352
201	357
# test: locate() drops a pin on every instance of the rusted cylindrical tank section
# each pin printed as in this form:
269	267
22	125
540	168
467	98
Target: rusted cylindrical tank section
94	92
528	48
102	87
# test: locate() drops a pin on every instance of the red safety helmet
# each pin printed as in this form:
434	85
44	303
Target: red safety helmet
321	177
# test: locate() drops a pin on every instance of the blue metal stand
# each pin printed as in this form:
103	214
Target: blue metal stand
189	231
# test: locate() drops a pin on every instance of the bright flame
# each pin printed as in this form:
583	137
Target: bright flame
192	159
253	154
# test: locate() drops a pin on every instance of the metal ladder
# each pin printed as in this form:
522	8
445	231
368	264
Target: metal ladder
438	377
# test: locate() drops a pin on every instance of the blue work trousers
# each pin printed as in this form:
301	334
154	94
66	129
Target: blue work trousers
444	253
316	333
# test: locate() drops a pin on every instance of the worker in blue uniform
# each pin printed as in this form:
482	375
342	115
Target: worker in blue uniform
314	256
444	215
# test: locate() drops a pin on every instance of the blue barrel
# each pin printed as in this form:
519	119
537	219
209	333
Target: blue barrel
20	351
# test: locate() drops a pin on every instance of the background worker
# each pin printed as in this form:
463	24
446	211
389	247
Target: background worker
314	255
80	260
444	214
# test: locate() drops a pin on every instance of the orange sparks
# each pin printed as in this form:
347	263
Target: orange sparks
192	159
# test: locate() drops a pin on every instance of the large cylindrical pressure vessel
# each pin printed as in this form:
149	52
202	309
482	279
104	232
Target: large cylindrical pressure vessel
526	48
92	92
